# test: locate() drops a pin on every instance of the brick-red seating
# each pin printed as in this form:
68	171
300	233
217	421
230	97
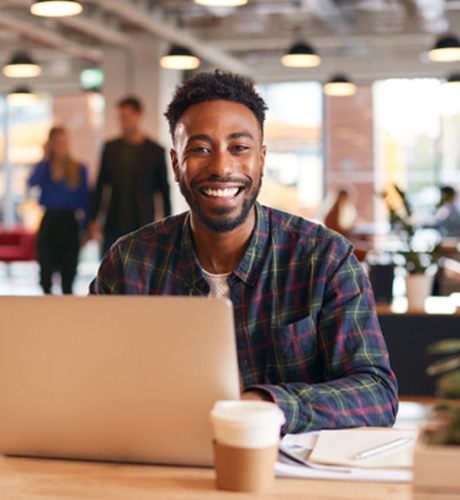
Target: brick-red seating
17	245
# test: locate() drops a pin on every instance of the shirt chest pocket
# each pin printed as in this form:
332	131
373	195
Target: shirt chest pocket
294	353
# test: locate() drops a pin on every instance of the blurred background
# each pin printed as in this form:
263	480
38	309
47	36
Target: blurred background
362	95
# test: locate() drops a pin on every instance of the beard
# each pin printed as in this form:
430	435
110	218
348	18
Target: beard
223	221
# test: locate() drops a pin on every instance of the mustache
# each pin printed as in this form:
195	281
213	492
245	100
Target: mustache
244	181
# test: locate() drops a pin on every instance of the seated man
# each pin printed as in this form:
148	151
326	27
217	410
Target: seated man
307	333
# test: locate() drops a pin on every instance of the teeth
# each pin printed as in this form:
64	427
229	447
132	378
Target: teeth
221	193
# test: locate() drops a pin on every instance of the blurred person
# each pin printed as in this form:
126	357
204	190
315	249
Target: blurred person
133	168
447	216
63	183
341	216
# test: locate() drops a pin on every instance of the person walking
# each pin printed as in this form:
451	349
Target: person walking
63	183
133	169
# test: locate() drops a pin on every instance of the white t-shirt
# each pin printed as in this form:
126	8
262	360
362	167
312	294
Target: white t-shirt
218	284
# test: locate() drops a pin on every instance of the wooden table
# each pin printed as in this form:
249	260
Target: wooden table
48	479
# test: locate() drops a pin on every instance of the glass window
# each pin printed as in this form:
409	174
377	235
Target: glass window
417	123
293	178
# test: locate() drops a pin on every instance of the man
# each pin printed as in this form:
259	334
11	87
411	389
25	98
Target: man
447	217
133	167
307	333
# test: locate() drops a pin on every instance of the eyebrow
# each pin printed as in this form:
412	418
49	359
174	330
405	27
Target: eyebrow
235	135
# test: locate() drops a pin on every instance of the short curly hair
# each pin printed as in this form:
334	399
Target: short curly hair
219	85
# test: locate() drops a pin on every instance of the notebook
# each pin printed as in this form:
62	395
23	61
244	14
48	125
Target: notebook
339	447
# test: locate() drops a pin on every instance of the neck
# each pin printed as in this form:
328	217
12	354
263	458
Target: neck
134	137
220	253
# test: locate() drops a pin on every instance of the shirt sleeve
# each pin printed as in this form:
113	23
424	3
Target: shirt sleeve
37	178
84	195
109	279
359	387
102	180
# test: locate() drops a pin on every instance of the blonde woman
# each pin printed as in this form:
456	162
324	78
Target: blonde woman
64	194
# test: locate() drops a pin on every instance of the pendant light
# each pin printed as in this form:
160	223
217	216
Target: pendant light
21	96
340	86
222	3
21	65
301	55
446	49
179	57
454	79
56	8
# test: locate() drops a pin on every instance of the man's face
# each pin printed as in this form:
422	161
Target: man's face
218	160
129	119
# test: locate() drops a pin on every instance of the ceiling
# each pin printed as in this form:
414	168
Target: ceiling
367	39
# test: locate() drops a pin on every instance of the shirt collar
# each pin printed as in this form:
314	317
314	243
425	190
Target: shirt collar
247	270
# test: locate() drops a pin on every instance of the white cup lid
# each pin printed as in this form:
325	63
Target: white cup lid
247	413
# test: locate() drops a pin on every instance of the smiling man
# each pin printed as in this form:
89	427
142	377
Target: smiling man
307	333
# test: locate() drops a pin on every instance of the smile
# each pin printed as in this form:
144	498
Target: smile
221	193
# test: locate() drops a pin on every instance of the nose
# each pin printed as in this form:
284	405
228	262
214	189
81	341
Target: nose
221	163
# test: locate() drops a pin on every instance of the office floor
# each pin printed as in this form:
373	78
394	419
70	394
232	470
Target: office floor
22	278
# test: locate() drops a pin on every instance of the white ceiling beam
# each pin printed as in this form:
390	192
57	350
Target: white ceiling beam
169	32
46	37
96	29
368	41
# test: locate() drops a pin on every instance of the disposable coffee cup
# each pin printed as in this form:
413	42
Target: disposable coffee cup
246	438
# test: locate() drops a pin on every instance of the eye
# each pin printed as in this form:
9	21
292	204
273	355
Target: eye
200	150
240	148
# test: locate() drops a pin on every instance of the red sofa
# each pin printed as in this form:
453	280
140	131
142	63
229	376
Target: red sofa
17	245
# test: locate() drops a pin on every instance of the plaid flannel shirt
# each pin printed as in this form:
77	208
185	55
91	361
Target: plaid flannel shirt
306	327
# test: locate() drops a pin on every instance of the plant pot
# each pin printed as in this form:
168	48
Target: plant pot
436	469
418	288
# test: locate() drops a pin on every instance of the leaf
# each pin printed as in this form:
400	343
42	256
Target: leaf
446	346
449	387
444	365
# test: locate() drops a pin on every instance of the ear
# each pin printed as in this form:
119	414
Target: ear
174	163
263	154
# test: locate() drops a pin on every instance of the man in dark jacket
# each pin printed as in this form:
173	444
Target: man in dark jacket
133	169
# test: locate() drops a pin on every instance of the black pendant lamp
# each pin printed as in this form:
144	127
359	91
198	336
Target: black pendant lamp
454	79
301	55
339	86
56	8
179	58
446	49
21	96
222	3
21	65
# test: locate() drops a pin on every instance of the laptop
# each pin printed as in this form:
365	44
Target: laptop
114	378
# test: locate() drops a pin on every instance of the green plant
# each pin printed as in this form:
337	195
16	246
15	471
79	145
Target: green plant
416	261
447	386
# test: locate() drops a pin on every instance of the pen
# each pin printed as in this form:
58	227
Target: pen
380	449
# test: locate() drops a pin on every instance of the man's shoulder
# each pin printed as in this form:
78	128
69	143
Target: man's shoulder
159	233
304	231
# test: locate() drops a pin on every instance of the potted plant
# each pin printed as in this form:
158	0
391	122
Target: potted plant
418	257
437	453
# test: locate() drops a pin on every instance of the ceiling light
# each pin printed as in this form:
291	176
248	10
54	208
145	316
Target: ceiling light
301	55
180	58
339	85
56	8
446	49
21	96
454	79
21	65
222	3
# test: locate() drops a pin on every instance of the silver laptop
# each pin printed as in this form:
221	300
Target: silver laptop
114	378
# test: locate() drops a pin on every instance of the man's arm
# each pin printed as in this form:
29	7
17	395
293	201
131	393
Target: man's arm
102	180
109	279
360	388
163	184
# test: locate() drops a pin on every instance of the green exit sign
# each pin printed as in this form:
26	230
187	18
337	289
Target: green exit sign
92	79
